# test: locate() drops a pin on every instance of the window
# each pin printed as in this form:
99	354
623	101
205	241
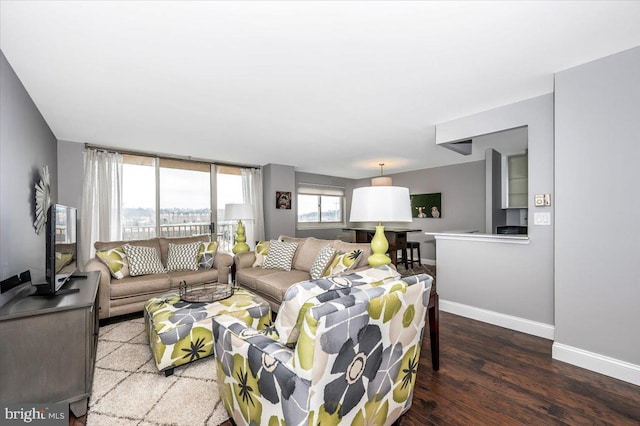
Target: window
185	198
177	198
138	197
229	190
320	206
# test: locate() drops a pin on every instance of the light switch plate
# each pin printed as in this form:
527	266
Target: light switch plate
543	218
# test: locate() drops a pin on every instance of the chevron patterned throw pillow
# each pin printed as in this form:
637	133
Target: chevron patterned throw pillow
280	255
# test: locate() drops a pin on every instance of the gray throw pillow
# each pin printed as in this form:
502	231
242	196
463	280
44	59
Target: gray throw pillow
183	257
321	262
280	255
143	260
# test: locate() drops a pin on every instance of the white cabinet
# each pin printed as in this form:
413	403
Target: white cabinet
515	181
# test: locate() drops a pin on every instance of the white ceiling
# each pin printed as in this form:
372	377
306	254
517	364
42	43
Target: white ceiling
328	87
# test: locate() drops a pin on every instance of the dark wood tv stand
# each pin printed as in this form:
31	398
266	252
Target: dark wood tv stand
48	348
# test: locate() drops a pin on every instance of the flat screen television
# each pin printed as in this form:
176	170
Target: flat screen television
61	250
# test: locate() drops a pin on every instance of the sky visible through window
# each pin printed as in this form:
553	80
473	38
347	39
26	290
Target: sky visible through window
180	188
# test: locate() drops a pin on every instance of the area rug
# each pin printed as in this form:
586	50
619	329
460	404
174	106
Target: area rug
128	389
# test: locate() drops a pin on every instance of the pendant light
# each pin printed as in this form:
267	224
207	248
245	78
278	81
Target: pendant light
381	180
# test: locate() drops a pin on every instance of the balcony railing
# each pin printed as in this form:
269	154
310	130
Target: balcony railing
224	232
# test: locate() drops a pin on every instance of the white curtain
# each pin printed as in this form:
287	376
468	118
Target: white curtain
101	211
252	194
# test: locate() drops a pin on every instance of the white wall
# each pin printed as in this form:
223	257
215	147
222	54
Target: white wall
597	252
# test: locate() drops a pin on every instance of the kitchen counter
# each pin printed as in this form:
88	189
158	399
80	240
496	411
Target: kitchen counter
475	235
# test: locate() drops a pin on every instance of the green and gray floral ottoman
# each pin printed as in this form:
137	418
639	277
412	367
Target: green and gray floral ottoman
180	332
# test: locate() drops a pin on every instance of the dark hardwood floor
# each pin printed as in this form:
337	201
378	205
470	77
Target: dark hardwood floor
491	375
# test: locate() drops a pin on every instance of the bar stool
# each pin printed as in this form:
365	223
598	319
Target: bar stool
411	245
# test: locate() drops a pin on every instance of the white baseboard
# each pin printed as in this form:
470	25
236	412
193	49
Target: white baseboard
602	364
522	325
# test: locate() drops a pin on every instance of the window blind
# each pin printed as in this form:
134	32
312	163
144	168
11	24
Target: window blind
313	189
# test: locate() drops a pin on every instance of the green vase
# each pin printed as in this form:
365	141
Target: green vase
379	247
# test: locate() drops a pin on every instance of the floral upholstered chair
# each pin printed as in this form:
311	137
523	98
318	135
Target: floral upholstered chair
351	356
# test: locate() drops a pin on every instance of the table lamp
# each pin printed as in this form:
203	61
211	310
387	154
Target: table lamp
380	204
239	212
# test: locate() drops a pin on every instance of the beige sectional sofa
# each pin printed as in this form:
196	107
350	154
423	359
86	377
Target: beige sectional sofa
271	284
129	294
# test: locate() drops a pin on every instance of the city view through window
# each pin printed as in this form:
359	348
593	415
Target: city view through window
185	199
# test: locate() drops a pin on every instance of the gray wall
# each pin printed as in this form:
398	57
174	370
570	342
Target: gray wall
70	173
474	273
463	200
277	177
597	278
26	144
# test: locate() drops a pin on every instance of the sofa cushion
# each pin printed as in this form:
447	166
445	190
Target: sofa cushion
343	262
183	257
200	276
116	260
145	284
143	260
153	242
248	277
163	244
206	254
261	251
123	301
301	242
322	260
275	285
280	255
307	253
303	295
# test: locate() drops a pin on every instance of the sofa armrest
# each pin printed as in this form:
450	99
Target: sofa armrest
245	260
104	289
222	262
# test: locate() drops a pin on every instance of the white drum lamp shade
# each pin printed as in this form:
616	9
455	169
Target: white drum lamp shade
380	204
238	211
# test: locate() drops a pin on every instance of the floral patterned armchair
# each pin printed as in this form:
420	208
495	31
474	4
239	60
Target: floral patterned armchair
354	359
